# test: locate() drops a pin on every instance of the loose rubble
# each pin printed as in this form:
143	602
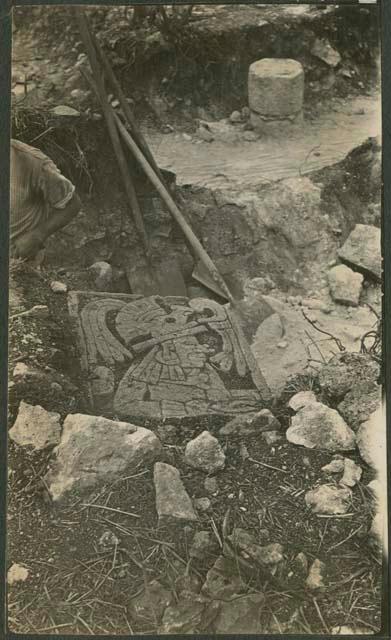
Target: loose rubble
345	285
172	500
109	448
35	427
301	399
316	426
251	425
352	473
205	453
329	499
316	576
17	573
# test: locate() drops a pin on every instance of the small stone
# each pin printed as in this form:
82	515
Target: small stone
223	580
211	485
362	250
64	110
191	614
235	117
103	274
323	50
329	500
17	573
316	426
168	433
242	616
20	370
300	564
301	399
55	386
172	499
109	540
246	545
245	113
244	453
186	137
204	544
202	504
316	575
148	607
282	345
335	466
188	584
251	424
205	453
271	437
58	287
345	285
35	427
204	134
352	473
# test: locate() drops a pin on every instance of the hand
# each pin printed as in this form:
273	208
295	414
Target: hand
29	244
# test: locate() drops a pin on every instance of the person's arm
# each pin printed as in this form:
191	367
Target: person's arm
58	218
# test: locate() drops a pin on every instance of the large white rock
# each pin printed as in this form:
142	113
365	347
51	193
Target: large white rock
362	249
93	450
345	285
316	426
205	453
301	399
276	87
172	500
35	427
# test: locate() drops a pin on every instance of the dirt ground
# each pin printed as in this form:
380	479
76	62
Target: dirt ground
76	585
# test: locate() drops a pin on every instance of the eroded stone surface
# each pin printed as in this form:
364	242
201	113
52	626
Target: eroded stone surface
276	86
172	499
316	426
329	500
301	399
171	357
345	285
205	453
362	250
35	427
94	450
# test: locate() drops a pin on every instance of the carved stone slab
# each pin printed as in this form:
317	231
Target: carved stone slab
165	357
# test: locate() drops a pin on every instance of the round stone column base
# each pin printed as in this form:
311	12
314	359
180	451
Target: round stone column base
276	127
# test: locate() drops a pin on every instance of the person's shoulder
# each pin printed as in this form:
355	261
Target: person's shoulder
22	149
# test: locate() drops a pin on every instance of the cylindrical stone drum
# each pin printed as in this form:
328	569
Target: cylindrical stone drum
276	87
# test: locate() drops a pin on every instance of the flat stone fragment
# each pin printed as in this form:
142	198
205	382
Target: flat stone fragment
345	285
276	87
95	450
301	399
17	573
323	50
148	607
152	357
315	579
190	614
362	250
329	499
203	546
35	427
205	453
247	546
241	616
58	287
223	580
172	499
251	425
352	473
335	466
316	426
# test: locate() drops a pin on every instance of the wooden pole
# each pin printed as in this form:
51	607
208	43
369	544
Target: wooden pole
175	212
108	112
126	109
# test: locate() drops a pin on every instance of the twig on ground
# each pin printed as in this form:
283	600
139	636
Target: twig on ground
326	333
100	506
269	466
